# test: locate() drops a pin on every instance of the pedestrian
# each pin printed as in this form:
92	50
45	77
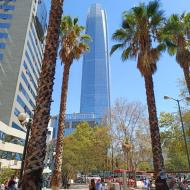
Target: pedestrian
12	183
172	184
160	181
2	186
184	185
146	183
92	185
98	185
6	184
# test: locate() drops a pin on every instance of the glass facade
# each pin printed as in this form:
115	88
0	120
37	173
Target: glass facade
95	90
5	16
71	122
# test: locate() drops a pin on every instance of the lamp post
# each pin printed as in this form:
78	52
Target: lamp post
27	122
182	125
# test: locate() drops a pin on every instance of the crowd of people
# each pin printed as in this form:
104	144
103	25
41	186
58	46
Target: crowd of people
10	184
162	182
165	182
96	185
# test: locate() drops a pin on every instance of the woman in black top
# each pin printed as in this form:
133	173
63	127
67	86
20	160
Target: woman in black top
160	181
92	185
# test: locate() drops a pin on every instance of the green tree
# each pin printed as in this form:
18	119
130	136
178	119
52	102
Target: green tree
36	150
86	149
140	27
5	174
173	142
176	34
73	45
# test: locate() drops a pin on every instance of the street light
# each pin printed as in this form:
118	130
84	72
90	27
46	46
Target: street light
27	122
182	125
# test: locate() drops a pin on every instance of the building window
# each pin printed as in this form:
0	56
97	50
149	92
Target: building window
21	89
24	106
10	155
1	56
7	7
5	25
16	112
28	85
31	65
30	76
2	45
3	35
6	16
15	126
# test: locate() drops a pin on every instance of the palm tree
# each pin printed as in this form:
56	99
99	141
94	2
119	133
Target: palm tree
140	28
73	45
176	35
36	149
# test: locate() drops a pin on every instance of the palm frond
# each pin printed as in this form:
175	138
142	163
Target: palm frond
128	20
115	47
161	47
85	37
153	8
126	54
139	11
75	20
120	34
73	41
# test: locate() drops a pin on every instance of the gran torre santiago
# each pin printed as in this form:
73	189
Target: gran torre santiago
95	87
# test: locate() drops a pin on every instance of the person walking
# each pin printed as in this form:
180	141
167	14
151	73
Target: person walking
98	185
184	185
12	183
160	181
146	183
92	185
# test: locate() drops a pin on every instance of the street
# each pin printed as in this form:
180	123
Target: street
75	186
83	187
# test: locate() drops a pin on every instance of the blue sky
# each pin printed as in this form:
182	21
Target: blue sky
126	80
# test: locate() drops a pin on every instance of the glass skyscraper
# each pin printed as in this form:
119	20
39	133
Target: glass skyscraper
95	90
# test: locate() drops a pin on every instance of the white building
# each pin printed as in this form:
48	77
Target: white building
23	25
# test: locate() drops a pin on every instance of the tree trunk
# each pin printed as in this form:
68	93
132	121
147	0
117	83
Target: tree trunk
187	76
158	160
56	178
36	150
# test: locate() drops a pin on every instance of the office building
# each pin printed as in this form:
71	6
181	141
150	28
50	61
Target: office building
22	29
71	121
95	90
23	24
11	146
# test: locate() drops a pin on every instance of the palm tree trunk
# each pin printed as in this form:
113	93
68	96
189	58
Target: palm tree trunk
187	76
36	150
56	178
158	160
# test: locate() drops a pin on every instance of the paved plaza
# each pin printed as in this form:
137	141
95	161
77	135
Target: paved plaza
75	186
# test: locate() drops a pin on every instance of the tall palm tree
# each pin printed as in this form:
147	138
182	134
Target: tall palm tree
73	45
139	30
176	35
36	149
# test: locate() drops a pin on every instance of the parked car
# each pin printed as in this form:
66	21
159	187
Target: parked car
79	180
